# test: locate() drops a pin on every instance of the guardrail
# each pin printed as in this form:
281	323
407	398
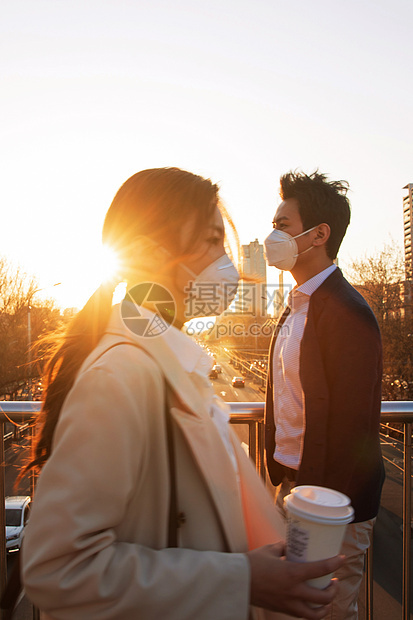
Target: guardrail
252	414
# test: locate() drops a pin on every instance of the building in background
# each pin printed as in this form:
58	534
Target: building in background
408	226
252	297
408	258
254	261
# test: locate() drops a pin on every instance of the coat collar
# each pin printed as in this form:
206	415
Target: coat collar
201	437
157	348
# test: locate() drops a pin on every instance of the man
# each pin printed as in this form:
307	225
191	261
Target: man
324	382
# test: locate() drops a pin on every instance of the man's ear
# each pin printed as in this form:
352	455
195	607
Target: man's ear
322	234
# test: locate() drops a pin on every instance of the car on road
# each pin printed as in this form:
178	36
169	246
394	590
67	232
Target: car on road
213	374
217	368
17	514
238	382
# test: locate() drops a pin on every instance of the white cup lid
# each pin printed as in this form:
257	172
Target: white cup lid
320	504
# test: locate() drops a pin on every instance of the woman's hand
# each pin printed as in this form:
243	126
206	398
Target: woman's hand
281	586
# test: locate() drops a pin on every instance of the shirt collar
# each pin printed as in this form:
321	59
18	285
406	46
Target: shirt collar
300	294
310	286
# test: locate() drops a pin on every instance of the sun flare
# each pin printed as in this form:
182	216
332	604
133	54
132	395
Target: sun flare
108	264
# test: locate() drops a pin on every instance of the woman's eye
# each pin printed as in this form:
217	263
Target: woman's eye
214	240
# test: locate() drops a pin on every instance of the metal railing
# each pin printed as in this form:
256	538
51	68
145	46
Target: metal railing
252	414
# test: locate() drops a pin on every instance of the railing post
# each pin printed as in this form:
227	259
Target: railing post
32	472
368	593
407	518
252	441
3	560
261	450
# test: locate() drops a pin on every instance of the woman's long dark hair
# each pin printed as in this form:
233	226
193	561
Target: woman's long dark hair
154	204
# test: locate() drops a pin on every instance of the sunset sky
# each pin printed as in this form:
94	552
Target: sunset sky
238	91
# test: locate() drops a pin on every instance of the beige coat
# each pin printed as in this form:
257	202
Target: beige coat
95	544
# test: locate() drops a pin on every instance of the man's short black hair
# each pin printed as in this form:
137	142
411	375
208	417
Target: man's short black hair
319	202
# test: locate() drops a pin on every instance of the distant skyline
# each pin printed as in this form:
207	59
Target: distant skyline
408	227
238	91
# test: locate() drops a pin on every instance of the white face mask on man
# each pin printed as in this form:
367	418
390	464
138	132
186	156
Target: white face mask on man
215	287
281	249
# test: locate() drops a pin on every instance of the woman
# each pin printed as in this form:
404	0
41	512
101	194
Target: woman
147	507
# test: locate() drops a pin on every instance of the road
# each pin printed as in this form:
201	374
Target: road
223	388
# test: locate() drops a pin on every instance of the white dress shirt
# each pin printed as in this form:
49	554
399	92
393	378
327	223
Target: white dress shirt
289	414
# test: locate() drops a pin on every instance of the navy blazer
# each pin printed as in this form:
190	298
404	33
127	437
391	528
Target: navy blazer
341	373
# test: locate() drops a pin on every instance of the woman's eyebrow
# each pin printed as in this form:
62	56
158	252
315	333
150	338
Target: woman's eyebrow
217	228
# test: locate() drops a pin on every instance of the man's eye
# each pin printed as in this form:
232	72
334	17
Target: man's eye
214	240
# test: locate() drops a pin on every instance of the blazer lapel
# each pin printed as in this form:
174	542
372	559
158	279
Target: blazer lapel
272	344
269	404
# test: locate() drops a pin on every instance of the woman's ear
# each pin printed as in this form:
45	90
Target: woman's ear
322	234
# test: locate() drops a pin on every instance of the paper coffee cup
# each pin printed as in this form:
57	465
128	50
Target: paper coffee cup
316	522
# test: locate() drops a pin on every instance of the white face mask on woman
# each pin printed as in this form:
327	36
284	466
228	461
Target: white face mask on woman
214	288
281	249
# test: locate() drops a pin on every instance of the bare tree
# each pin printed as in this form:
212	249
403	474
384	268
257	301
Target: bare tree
380	278
16	295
